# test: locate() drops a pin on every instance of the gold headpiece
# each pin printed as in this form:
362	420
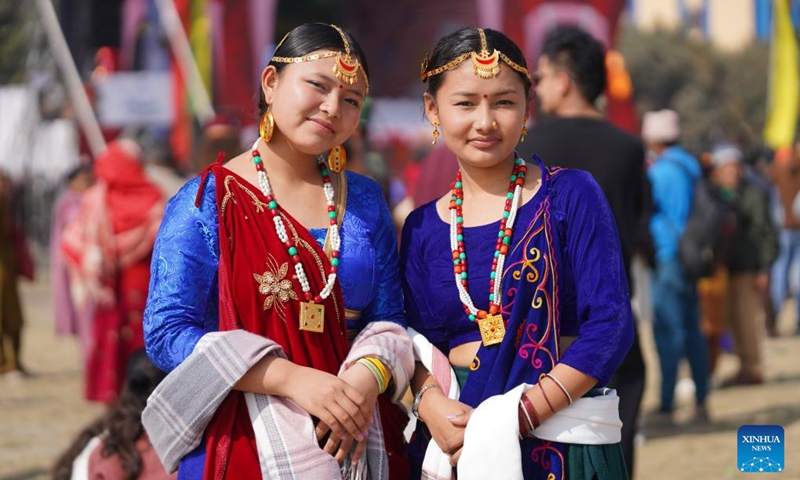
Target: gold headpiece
346	67
484	64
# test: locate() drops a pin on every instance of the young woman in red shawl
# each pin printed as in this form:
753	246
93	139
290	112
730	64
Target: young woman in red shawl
280	249
107	247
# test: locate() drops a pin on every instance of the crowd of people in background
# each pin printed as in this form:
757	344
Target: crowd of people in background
105	220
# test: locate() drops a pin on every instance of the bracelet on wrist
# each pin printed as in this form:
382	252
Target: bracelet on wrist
531	411
525	422
378	371
561	386
418	398
546	399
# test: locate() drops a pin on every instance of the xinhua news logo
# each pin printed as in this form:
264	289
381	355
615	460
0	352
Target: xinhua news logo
760	449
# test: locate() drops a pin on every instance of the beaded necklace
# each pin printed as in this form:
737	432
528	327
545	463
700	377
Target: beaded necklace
490	323
312	312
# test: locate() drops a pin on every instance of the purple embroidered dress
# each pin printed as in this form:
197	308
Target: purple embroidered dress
563	276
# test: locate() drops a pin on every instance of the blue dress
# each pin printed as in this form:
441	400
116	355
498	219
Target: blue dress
183	299
563	276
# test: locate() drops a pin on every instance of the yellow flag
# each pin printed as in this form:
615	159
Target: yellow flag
784	80
200	39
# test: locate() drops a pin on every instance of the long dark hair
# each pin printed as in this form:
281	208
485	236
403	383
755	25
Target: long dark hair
468	40
121	426
307	38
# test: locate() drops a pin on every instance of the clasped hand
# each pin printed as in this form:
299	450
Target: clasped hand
446	419
344	406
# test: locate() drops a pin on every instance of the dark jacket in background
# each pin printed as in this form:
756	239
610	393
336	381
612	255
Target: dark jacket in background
754	245
615	159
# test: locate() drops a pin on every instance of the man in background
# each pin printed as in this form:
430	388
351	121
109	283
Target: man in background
676	328
570	76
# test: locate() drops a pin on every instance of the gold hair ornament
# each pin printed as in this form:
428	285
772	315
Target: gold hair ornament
346	67
484	64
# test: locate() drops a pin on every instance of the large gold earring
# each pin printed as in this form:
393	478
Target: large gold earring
524	129
435	133
337	159
267	126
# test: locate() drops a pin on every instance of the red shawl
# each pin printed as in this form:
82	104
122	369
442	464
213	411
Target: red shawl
130	194
119	216
251	256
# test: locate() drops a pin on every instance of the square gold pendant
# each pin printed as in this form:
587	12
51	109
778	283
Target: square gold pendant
492	329
312	317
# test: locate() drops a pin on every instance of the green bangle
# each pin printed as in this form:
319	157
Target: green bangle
375	372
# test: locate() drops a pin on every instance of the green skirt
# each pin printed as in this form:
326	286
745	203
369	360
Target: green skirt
595	462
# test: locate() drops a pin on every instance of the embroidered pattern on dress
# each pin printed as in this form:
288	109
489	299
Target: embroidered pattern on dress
537	268
260	207
275	287
229	195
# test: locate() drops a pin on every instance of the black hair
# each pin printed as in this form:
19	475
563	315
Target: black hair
468	40
307	38
576	52
121	426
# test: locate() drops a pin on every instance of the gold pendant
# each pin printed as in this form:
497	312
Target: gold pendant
312	317
492	329
346	68
485	65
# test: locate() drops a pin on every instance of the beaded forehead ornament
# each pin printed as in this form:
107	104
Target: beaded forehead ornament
484	64
346	67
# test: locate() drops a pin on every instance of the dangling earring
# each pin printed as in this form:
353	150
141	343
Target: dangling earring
337	159
435	133
267	126
524	129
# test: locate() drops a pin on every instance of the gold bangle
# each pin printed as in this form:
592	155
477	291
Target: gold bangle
381	368
377	374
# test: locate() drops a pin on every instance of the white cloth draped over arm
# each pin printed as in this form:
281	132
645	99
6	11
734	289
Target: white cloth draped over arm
491	441
436	464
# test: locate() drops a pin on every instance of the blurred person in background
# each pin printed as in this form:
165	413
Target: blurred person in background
712	290
108	247
750	255
221	135
160	168
282	265
69	320
10	270
569	78
785	175
362	158
676	329
115	446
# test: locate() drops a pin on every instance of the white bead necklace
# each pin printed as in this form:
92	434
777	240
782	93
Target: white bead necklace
490	323
311	311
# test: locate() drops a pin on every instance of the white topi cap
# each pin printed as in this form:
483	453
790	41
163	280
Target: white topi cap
661	126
